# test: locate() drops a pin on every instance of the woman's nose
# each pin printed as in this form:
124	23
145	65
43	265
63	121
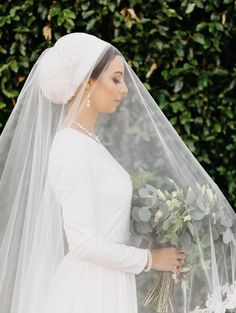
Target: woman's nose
124	89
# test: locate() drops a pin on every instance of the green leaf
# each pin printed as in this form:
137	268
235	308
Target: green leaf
69	14
178	85
2	105
228	1
201	26
14	66
217	127
8	93
199	38
88	13
112	7
190	8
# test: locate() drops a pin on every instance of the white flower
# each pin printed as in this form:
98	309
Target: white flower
161	195
174	194
203	189
175	278
167	193
173	203
209	194
214	217
187	218
158	215
198	185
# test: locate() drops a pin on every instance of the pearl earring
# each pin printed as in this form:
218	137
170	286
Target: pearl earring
88	101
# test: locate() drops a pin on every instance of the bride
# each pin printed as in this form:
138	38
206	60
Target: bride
83	125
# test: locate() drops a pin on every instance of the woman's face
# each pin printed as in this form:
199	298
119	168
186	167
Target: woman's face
107	94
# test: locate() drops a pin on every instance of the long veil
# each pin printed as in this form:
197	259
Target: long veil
175	202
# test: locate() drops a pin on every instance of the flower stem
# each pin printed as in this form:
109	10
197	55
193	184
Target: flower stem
159	296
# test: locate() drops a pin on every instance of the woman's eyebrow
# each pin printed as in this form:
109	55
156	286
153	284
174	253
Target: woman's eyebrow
118	72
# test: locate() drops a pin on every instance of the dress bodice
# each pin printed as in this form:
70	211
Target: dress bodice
95	192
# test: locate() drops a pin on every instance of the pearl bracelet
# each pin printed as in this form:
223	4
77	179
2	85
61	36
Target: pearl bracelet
149	261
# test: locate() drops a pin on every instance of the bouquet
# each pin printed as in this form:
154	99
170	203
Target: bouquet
171	216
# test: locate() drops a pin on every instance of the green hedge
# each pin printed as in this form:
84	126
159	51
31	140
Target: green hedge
184	52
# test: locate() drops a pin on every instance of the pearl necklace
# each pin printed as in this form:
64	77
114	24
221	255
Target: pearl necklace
88	132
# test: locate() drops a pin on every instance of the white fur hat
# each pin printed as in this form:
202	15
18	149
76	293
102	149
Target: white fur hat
63	67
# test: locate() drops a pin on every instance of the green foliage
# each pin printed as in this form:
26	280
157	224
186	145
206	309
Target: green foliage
183	51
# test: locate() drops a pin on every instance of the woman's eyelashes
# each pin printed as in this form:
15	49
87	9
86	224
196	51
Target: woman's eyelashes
116	81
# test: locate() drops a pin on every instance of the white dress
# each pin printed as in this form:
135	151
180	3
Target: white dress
94	191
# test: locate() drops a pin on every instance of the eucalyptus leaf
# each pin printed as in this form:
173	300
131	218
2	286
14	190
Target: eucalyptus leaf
215	233
144	214
143	228
191	228
197	225
185	241
151	188
197	215
135	213
225	220
143	192
168	222
202	205
150	201
205	240
164	206
174	240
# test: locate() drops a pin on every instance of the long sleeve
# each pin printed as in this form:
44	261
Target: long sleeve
72	179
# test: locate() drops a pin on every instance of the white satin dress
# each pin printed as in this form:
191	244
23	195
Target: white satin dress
94	191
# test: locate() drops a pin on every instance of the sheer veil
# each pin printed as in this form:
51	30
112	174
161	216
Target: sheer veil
142	140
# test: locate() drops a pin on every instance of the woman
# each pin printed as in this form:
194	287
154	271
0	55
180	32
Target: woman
66	244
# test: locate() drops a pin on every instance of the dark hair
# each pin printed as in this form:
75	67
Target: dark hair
104	61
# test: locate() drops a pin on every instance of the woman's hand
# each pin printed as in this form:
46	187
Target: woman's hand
167	259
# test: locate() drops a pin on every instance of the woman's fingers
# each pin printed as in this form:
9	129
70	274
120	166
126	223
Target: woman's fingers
181	254
168	259
180	258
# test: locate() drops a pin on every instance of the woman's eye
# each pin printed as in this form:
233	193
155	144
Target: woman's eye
116	81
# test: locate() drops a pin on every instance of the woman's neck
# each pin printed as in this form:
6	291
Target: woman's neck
87	116
88	119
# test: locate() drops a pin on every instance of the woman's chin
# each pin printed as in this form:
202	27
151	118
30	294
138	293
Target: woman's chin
113	109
